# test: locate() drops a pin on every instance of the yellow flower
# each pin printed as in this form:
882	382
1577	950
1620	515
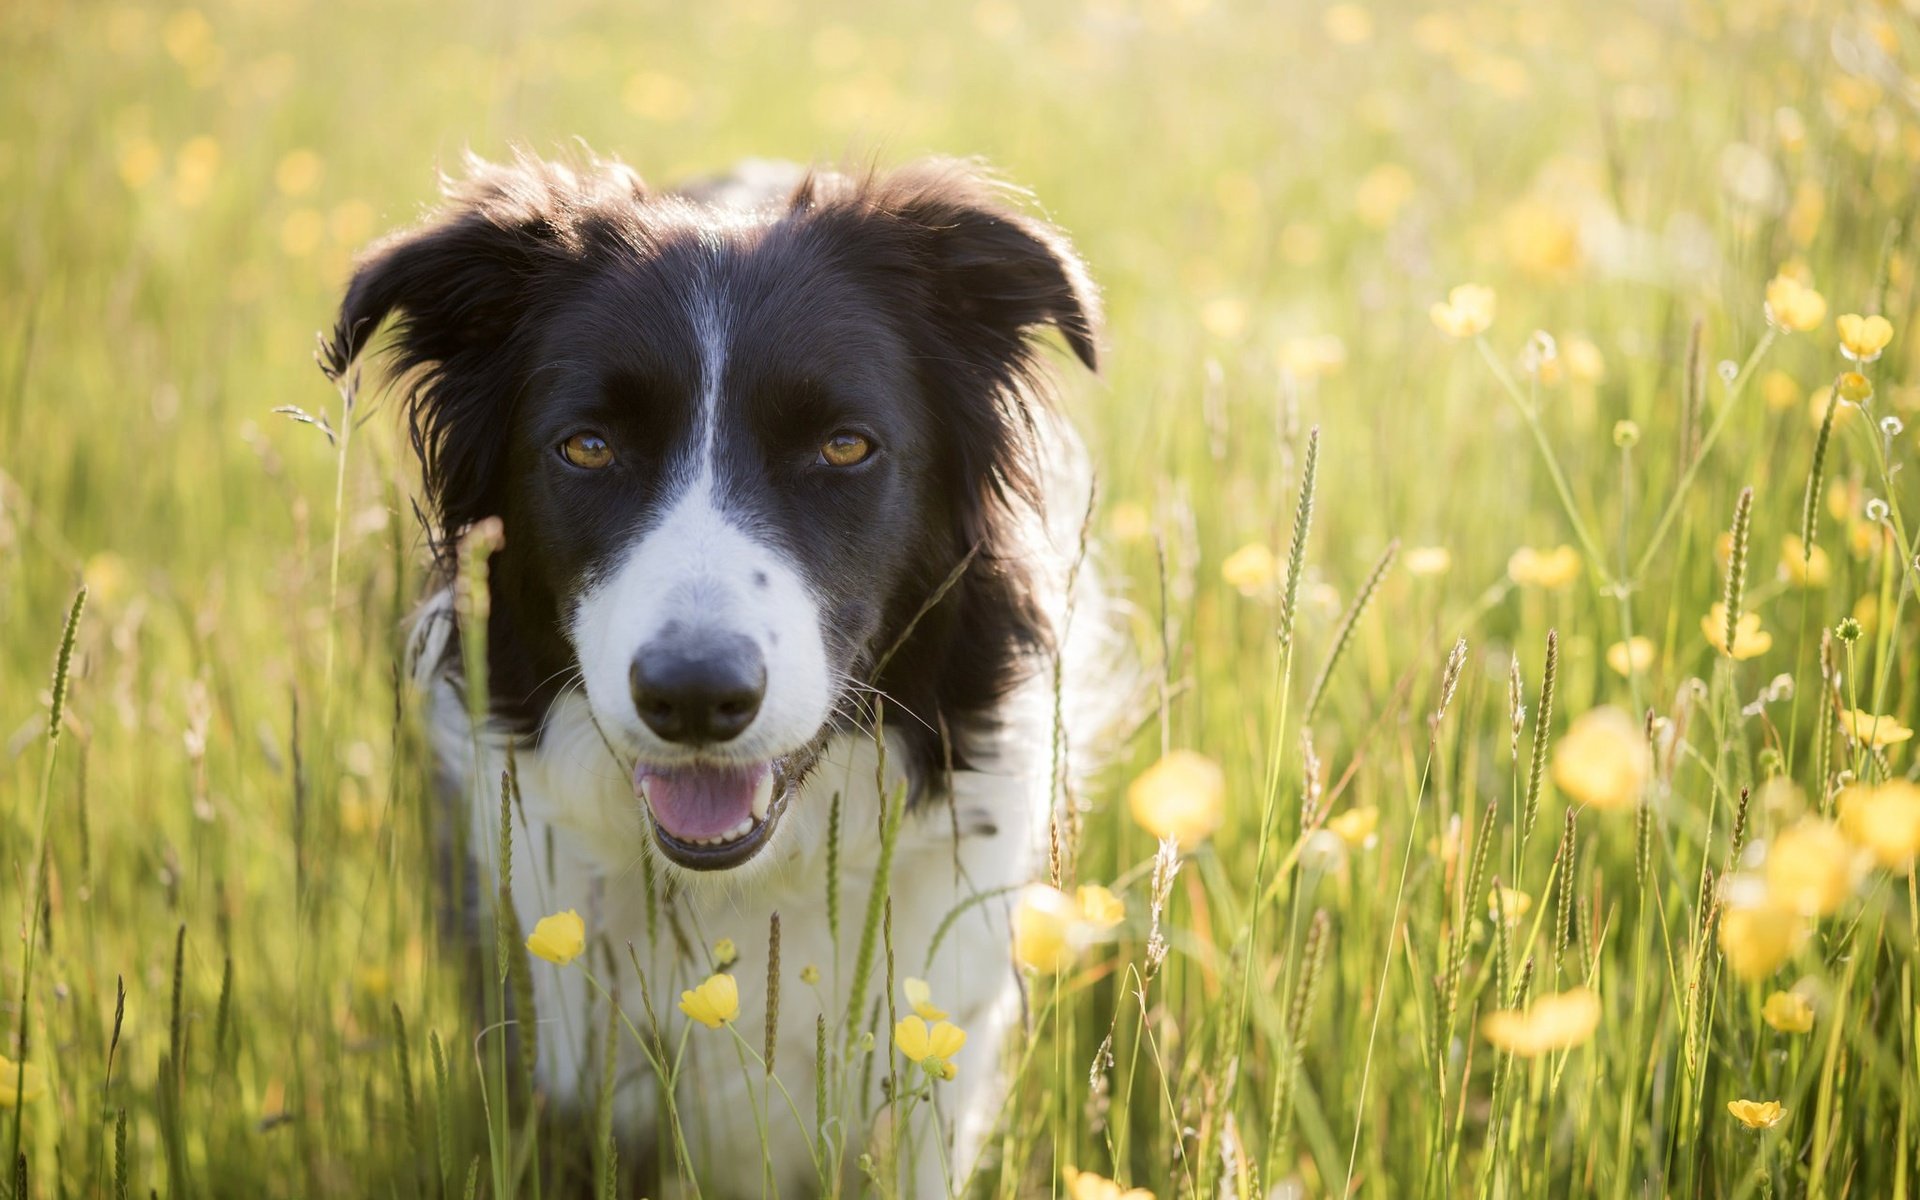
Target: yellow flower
1551	1023
1584	361
1854	388
1511	901
1382	193
809	974
1250	570
1467	310
20	1084
725	954
1099	907
1553	569
1779	389
1877	732
1425	561
1759	938
1085	1185
1312	357
1602	761
1046	929
1884	821
1348	24
920	999
1789	1012
1357	827
932	1047
714	1002
1129	521
1792	306
1801	568
1749	640
1810	868
1540	238
299	171
1634	654
1863	338
559	938
1183	796
1757	1114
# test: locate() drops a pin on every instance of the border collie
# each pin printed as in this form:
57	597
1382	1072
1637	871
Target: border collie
770	455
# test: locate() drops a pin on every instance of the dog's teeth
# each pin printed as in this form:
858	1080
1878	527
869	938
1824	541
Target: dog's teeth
763	797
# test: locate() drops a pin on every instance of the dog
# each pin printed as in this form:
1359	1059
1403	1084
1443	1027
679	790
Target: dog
790	545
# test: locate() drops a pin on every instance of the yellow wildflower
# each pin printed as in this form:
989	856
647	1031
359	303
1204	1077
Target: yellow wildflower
1467	310
1877	732
1347	24
1603	760
725	954
20	1083
1758	938
1099	907
1085	1185
1792	306
920	999
1511	901
1789	1012
1552	569
1551	1023
1250	570
1129	521
714	1002
559	938
1183	796
1314	356
1584	361
1863	338
1779	389
1810	868
298	172
1382	193
1749	640
1357	827
933	1047
1884	821
1046	929
1757	1114
1803	569
1634	654
1425	561
1854	388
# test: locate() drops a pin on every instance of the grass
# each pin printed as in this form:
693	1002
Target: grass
230	987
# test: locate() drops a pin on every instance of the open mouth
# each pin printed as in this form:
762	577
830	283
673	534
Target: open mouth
710	817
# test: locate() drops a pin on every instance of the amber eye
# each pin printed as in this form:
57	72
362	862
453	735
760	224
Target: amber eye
845	450
588	451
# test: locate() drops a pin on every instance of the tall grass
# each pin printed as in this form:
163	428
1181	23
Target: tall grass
1375	975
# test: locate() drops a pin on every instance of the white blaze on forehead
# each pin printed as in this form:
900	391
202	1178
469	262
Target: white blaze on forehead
699	569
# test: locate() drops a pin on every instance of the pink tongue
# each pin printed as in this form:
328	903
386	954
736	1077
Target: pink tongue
691	803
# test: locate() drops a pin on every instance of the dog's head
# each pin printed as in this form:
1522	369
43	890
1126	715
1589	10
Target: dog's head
739	451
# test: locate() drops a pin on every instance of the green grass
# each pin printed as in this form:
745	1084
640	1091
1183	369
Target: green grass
236	823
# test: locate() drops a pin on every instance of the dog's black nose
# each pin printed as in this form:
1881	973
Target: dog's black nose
698	688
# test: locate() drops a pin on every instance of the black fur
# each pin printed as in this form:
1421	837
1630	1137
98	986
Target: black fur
540	295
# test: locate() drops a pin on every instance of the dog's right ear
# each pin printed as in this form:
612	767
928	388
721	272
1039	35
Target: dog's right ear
458	290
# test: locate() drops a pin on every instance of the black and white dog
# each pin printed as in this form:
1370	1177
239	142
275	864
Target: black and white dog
739	437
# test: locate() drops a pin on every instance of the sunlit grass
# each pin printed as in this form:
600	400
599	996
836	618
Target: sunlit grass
1616	900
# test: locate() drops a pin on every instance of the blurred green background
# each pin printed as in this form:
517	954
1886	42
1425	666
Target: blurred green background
1271	196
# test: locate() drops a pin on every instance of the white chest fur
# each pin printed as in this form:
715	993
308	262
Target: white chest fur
956	861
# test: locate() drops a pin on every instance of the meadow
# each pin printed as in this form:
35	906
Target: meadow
1507	467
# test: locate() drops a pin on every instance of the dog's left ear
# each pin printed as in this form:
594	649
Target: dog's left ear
996	273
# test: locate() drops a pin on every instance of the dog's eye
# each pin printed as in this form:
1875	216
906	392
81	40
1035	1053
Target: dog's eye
588	451
845	449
